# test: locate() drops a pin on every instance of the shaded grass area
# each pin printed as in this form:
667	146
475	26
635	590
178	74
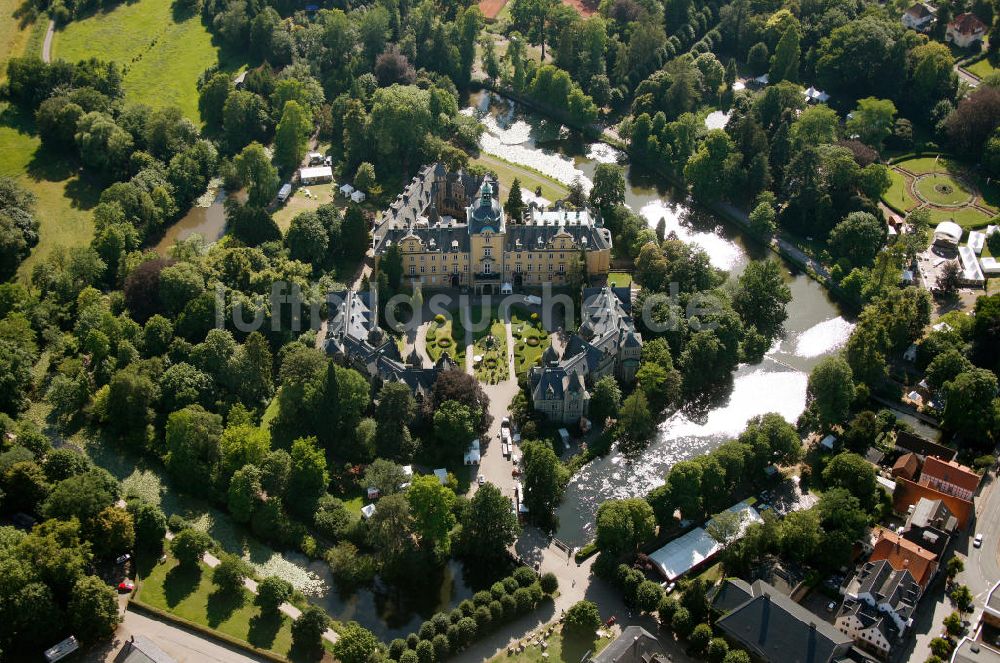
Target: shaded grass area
190	594
898	194
163	54
17	25
530	179
64	196
562	647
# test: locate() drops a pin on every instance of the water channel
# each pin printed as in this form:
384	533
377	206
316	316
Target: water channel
814	328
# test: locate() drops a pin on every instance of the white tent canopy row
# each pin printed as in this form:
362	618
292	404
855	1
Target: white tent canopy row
972	274
686	552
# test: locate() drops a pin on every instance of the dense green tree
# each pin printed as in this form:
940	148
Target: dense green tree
761	297
308	478
229	575
291	135
244	492
272	591
254	169
189	545
785	62
609	186
605	400
970	408
431	505
307	636
623	525
192	440
393	414
582	617
544	480
872	120
831	390
489	525
93	609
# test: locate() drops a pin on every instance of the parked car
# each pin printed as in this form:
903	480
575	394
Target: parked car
481	479
121	559
978	541
830	606
126	585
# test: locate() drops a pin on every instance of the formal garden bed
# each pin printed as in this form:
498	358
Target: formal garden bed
491	346
943	186
530	340
445	336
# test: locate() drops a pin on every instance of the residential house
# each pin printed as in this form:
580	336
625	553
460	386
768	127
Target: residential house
908	493
906	466
919	17
453	231
930	525
879	601
905	555
966	30
950	477
606	343
634	645
776	629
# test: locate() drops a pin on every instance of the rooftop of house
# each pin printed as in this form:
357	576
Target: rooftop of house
932	513
777	628
922	447
903	554
974	651
909	492
885	584
967	24
870	616
634	645
951	472
906	465
920	10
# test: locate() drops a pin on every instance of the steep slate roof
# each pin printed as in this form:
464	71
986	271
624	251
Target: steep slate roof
928	512
951	472
909	492
778	629
903	554
731	594
922	447
634	645
870	616
896	587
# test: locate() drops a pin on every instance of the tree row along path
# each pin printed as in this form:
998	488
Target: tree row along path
211	561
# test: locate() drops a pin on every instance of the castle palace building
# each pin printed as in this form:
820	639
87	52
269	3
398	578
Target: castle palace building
452	231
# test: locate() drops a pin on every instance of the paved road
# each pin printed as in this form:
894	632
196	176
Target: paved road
184	645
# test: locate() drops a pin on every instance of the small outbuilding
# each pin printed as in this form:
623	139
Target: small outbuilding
316	174
442	476
977	240
828	442
472	456
373	493
367	511
358	196
346	190
814	96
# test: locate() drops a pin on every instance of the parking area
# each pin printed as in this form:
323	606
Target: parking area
819	603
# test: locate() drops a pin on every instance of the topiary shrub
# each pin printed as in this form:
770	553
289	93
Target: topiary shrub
510	584
549	583
481	598
396	648
524	576
427	631
497	590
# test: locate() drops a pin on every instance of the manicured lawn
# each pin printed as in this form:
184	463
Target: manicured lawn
530	179
967	217
190	594
163	58
942	189
568	649
620	279
922	165
64	196
898	194
299	201
983	68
